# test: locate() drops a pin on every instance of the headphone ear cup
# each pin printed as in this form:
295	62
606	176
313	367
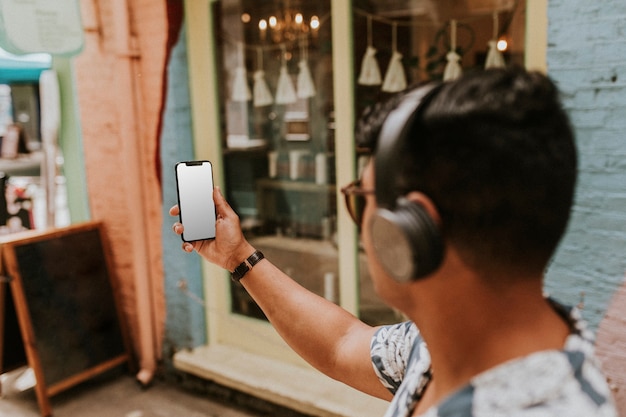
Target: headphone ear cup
406	241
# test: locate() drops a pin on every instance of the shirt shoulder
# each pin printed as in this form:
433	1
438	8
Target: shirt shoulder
392	348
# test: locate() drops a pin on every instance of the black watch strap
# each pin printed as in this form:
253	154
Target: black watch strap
246	265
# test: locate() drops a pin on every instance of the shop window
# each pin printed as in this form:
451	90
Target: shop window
400	43
275	74
413	40
278	145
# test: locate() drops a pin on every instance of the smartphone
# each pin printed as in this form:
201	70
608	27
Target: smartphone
194	186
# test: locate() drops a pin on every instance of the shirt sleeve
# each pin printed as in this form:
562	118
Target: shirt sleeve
391	350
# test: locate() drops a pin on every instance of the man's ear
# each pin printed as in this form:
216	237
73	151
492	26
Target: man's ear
428	205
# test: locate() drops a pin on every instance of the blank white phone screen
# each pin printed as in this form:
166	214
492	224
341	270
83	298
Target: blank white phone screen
194	181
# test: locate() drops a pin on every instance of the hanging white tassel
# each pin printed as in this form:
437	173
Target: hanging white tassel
306	88
370	72
453	68
241	90
285	91
494	56
261	92
395	79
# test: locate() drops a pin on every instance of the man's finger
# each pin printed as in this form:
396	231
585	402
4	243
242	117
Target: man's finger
221	205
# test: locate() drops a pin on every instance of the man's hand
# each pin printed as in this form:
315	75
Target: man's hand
229	248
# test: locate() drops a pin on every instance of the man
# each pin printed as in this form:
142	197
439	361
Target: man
461	208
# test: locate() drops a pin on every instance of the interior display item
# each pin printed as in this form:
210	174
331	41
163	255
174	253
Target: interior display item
10	141
297	130
261	92
370	72
272	164
297	123
321	168
285	92
494	56
296	164
244	142
306	87
453	68
395	79
241	90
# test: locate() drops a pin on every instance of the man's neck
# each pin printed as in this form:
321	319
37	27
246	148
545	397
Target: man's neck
471	326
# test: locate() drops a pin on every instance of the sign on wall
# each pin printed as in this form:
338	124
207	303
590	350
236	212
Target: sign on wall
33	26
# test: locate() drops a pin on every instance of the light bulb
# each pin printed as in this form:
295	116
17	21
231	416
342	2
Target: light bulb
315	22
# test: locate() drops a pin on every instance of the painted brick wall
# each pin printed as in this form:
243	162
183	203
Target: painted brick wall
119	78
587	58
185	324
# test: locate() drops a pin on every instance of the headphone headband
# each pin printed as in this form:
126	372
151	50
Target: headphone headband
392	135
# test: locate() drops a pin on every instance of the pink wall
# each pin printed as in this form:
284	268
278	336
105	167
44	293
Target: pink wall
611	347
119	77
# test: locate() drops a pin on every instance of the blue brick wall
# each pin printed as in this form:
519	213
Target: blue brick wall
587	58
185	322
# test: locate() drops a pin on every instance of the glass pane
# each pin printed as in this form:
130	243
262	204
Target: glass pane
411	41
276	78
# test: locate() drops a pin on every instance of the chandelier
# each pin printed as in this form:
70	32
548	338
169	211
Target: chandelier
285	26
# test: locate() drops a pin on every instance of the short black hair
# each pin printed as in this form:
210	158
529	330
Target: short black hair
495	152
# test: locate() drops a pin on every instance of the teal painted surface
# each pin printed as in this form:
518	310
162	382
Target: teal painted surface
22	68
185	319
71	143
587	58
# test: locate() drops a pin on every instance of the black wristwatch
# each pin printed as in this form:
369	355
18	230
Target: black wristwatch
246	265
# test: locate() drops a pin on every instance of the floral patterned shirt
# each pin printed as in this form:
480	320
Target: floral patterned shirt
551	383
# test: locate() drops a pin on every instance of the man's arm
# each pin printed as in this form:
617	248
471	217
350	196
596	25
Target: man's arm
325	335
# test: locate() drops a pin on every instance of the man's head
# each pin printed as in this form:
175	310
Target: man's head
495	153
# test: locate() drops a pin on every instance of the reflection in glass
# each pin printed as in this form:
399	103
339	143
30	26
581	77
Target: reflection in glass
398	43
276	79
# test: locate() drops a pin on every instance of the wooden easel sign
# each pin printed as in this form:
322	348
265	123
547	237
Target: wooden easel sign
66	306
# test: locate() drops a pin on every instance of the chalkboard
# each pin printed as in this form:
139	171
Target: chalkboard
66	306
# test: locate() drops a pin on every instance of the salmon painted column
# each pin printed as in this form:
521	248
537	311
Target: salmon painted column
119	78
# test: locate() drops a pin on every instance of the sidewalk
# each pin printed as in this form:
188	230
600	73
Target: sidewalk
114	395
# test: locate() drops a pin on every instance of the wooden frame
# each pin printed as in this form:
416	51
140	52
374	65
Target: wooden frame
65	301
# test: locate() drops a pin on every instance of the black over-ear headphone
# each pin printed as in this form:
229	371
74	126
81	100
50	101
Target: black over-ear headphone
406	240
